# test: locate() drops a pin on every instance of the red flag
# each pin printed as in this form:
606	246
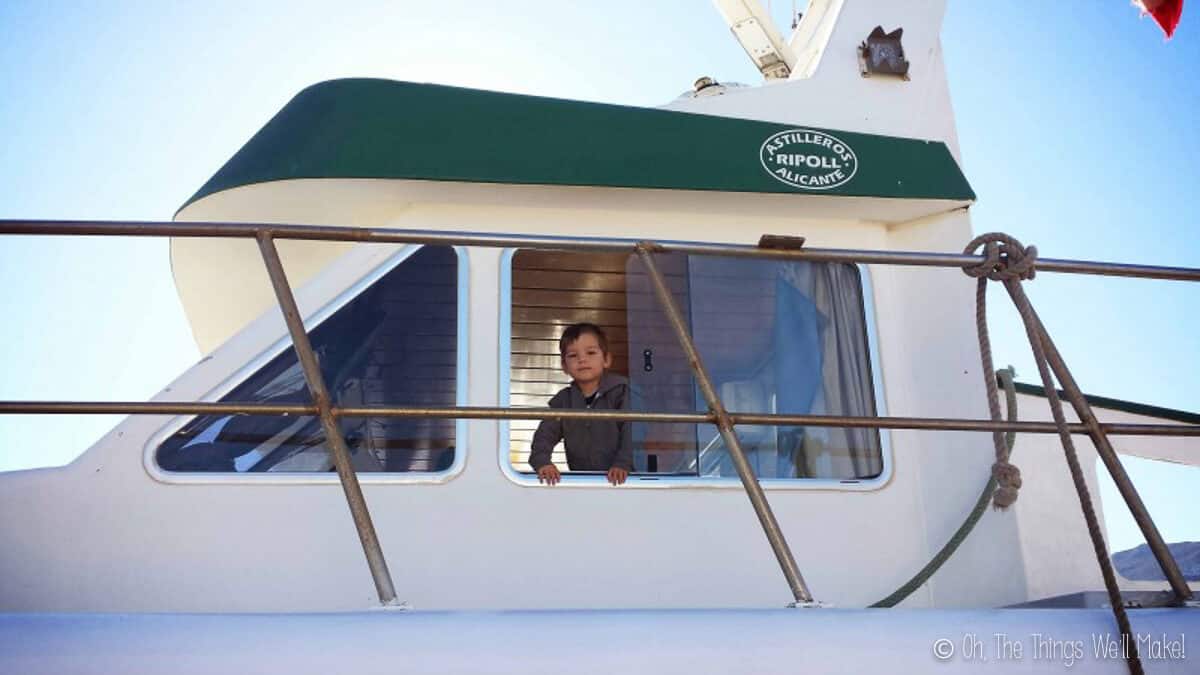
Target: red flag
1165	12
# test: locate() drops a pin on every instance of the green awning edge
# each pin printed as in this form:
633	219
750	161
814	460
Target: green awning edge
1116	404
384	129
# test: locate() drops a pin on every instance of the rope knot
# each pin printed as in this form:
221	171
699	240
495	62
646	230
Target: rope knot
1004	258
1008	481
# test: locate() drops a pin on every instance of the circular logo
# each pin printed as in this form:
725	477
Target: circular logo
808	159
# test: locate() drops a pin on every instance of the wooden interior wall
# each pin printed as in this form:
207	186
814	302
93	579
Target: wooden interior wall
663	378
553	289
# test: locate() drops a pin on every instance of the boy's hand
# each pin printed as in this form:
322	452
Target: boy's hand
617	475
549	474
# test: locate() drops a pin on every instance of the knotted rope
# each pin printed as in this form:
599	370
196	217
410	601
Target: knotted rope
1006	260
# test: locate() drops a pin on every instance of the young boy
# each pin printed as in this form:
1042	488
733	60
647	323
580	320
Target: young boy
591	445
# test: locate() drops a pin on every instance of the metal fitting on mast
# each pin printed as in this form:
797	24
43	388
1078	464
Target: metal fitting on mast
754	29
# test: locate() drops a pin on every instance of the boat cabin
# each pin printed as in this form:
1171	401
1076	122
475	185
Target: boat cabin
521	215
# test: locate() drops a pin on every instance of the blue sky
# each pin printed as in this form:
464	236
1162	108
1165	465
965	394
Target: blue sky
1076	125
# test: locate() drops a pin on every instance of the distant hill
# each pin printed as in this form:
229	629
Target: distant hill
1139	564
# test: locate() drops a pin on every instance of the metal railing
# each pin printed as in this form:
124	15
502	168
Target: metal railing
322	407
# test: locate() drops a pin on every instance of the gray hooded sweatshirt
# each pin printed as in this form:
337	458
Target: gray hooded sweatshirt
591	445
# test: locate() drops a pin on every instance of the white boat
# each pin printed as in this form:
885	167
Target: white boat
485	223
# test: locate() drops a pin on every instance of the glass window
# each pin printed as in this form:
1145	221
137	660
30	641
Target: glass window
775	336
393	344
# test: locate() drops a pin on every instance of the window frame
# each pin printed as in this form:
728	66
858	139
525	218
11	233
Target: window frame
645	481
377	269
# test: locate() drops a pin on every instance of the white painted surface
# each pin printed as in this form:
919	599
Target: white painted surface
763	641
755	30
223	284
1052	528
479	541
835	96
811	37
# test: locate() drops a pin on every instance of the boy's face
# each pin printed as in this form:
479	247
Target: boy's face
584	361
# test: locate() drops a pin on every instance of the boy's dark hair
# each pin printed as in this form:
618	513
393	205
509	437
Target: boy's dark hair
574	331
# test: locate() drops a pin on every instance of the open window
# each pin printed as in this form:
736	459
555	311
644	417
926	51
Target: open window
776	336
395	343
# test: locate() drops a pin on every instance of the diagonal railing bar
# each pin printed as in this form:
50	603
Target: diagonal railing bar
1137	508
329	424
758	498
493	413
450	238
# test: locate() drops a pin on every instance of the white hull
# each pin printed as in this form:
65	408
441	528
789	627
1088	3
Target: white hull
627	641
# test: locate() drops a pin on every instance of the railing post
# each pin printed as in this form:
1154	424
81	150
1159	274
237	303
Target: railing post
333	435
758	499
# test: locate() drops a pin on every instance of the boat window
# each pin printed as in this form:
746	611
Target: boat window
775	336
393	344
